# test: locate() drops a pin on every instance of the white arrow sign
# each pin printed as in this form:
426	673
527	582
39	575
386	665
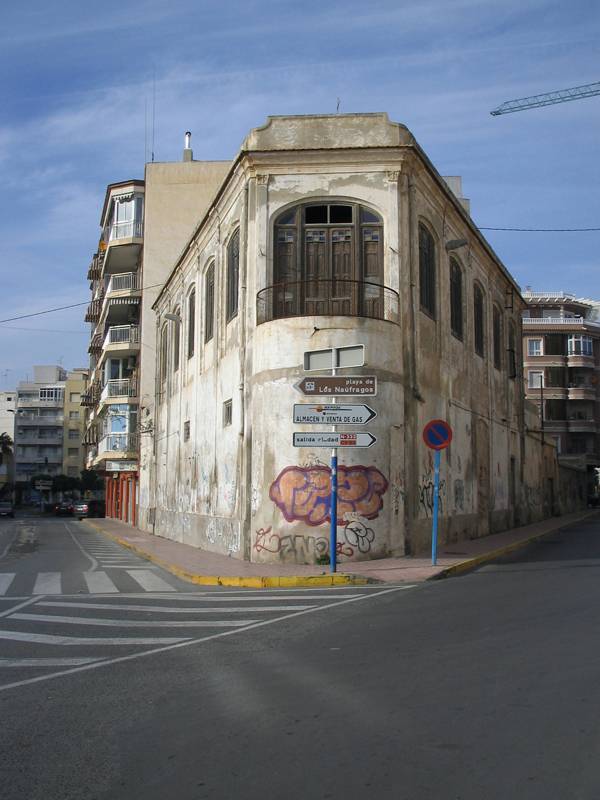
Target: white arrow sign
343	414
354	439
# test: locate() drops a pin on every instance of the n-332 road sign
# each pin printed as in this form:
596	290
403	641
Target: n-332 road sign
342	414
346	439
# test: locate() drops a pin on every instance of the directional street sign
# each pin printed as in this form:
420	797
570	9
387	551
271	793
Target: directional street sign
342	414
354	439
338	385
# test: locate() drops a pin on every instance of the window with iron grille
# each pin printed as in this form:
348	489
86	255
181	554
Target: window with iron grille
497	337
426	271
176	341
209	299
233	274
478	321
227	412
191	323
186	430
164	354
512	352
456	299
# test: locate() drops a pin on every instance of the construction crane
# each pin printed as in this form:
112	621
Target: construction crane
549	99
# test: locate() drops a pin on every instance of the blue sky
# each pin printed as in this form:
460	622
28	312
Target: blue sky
77	82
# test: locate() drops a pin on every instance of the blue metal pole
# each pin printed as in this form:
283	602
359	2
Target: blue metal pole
333	513
436	494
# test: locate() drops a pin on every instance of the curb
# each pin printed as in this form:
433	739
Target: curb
471	563
240	581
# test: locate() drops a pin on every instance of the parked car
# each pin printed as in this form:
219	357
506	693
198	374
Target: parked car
64	508
89	508
6	509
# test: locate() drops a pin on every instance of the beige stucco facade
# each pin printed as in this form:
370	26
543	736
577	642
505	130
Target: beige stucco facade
227	476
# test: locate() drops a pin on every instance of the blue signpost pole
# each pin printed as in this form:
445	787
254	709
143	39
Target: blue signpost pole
333	514
436	496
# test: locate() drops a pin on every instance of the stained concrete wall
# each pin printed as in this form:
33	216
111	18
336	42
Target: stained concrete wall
242	488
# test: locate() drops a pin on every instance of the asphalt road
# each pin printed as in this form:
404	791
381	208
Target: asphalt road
479	687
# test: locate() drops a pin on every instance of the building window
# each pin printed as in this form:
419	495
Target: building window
497	336
74	397
73	414
73	451
328	259
580	345
209	300
512	351
176	340
51	394
478	321
164	354
233	274
73	433
227	413
191	339
534	347
535	379
186	430
426	271
456	299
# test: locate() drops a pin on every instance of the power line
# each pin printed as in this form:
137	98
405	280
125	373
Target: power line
62	308
540	230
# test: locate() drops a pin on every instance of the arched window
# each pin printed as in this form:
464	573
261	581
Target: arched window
191	323
426	271
328	259
164	354
233	275
456	299
478	321
512	351
209	303
497	336
176	340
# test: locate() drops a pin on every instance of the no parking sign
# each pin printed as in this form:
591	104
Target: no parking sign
437	435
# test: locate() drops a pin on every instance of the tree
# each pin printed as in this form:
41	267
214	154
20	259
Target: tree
6	443
90	480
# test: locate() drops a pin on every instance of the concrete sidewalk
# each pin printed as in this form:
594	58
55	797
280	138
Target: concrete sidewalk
211	569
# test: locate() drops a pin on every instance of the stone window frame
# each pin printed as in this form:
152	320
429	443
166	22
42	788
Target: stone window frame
497	336
232	282
428	270
209	300
479	319
190	305
457	302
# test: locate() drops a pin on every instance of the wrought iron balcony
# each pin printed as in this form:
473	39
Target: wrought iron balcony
125	281
130	229
118	443
122	334
331	298
124	387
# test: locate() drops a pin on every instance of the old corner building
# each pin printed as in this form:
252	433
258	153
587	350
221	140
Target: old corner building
329	231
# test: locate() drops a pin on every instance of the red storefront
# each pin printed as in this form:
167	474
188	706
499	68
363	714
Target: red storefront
122	496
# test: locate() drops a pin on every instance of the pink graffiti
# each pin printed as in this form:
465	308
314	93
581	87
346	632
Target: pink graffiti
302	493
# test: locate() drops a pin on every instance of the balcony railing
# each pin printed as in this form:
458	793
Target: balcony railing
332	298
124	387
94	309
123	282
131	229
122	334
119	443
560	295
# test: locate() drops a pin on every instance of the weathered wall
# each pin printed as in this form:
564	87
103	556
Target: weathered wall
242	488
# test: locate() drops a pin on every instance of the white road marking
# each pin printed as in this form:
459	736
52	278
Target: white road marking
135	623
43	638
99	582
47	583
84	552
201	640
175	609
28	602
45	662
150	581
6	578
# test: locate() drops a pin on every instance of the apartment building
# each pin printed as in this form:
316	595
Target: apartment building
7	426
143	224
48	424
561	352
327	231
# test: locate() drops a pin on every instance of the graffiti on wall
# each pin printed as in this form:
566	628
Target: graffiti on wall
426	490
307	547
302	493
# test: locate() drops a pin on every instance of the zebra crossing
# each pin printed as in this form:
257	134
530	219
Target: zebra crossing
131	579
48	636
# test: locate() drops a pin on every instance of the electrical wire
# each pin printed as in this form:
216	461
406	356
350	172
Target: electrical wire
540	230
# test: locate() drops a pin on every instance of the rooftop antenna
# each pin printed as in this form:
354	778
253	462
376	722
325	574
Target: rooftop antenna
153	107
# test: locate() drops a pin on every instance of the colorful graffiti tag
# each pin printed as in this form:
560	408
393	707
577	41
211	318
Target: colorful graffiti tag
302	493
309	548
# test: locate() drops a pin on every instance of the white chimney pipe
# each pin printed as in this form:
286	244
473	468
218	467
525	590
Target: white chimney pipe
188	139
